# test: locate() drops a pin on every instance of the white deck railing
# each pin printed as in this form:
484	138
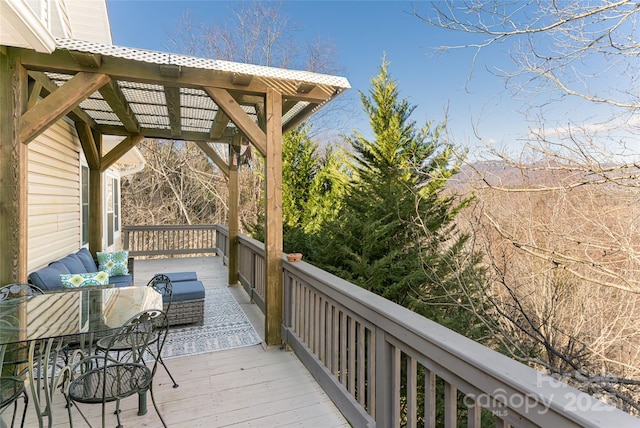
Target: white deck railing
169	239
386	366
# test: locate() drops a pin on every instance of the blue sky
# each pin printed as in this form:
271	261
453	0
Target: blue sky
362	32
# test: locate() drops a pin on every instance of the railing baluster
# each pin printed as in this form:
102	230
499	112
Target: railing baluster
372	368
343	348
317	331
474	415
335	341
310	318
429	398
450	405
305	315
352	356
412	389
500	423
361	394
396	367
322	352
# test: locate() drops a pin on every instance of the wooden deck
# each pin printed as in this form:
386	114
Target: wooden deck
244	387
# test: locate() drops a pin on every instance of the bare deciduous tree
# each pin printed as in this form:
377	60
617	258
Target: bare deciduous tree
558	217
179	185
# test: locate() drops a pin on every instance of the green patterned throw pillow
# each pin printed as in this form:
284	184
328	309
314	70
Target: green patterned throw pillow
75	280
115	264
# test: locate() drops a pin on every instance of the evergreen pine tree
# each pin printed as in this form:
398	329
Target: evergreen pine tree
396	235
312	187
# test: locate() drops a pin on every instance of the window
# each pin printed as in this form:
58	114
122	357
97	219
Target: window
116	205
113	208
109	205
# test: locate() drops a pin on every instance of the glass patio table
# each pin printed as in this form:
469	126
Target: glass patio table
54	324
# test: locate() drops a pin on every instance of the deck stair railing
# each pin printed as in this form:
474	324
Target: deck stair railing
169	239
386	366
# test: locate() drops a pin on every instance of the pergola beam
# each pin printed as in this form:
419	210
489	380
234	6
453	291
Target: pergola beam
59	103
115	98
230	106
35	89
220	123
220	163
86	58
172	96
299	117
77	114
89	145
118	151
156	133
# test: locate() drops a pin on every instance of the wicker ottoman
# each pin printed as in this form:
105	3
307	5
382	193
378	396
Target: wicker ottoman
187	305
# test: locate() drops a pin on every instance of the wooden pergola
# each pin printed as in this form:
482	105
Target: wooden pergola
137	94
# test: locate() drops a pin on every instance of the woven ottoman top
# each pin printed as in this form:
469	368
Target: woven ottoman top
187	290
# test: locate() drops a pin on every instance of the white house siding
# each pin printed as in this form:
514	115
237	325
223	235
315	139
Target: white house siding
53	195
89	20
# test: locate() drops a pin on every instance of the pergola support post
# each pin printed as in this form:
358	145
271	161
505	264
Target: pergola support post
95	203
234	159
13	170
273	207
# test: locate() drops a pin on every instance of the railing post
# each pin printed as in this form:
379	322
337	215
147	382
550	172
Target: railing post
126	232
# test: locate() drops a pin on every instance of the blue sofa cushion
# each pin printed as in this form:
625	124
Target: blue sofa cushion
48	278
87	260
74	264
87	279
114	263
181	276
187	290
120	280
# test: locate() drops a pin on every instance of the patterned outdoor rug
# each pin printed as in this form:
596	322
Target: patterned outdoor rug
225	327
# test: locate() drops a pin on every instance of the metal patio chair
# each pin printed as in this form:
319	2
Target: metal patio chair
101	379
16	353
11	388
162	284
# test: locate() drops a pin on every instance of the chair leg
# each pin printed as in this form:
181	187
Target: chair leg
142	403
155	406
15	410
69	410
117	414
24	412
175	385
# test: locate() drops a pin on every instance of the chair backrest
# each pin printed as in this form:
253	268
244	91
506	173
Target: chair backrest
162	284
144	334
11	351
19	289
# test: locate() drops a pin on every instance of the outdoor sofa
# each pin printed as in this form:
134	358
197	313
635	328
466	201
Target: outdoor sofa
80	262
